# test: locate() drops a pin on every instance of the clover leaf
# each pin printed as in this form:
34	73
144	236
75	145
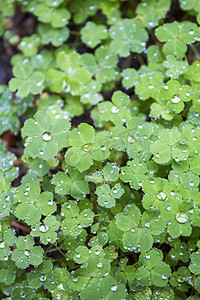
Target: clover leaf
77	75
55	36
92	34
26	80
86	147
137	240
176	36
83	9
32	204
74	221
43	275
26	254
74	184
107	196
57	17
155	270
107	64
46	230
128	36
43	138
151	12
29	45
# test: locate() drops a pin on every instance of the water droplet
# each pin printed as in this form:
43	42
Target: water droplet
26	253
2	245
7	198
164	276
114	288
42	278
103	148
99	265
41	152
176	99
181	217
22	295
40	166
151	87
114	110
161	196
43	228
86	147
78	255
168	207
130	139
46	136
50	202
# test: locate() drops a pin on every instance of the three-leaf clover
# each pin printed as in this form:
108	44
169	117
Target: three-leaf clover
43	138
26	80
128	36
92	34
107	196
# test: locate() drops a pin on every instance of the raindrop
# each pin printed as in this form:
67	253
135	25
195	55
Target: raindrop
22	295
2	245
41	152
168	207
114	288
181	217
26	253
176	99
114	110
86	148
103	148
42	278
46	136
43	228
164	276
99	265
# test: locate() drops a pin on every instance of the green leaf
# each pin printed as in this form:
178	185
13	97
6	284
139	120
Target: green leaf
128	35
92	34
129	219
26	80
81	255
138	240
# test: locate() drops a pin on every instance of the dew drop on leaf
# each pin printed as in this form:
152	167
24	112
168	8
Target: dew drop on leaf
176	99
22	295
181	217
43	228
99	265
2	245
114	110
114	288
46	136
164	276
43	278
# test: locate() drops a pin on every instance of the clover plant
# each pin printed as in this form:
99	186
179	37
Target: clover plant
99	189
